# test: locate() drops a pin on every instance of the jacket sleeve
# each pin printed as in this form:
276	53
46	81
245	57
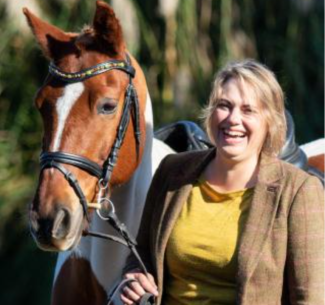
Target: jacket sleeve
143	237
305	253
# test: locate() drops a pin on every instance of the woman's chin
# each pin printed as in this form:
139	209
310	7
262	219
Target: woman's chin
231	151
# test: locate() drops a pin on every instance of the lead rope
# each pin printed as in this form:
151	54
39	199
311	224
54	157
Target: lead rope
107	213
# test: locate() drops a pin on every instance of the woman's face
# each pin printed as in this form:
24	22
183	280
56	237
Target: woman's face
238	125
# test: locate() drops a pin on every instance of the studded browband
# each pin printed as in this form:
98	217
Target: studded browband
74	77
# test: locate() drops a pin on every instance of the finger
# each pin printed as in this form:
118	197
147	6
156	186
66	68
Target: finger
130	294
152	280
131	276
126	300
140	283
147	284
131	273
137	287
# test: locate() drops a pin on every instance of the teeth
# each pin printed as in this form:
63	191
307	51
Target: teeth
234	133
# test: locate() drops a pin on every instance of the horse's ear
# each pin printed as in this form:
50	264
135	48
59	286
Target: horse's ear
108	29
49	37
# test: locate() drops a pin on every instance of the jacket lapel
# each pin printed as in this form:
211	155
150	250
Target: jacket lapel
179	187
261	216
169	216
178	190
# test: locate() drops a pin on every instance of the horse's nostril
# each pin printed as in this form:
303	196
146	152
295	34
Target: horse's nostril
41	229
61	224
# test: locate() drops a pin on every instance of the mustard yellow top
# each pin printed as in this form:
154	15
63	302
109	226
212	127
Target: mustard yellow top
201	253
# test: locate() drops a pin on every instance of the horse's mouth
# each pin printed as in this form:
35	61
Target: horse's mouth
60	245
68	243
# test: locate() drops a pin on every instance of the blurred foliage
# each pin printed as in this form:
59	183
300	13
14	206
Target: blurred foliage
182	44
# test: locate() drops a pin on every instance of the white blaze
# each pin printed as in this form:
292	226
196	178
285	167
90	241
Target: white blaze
64	104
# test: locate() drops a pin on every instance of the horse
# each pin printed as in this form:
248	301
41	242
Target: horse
82	103
94	94
315	152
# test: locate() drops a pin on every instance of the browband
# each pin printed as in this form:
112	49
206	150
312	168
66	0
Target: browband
74	77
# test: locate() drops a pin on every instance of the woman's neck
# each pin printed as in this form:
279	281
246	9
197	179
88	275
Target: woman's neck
227	176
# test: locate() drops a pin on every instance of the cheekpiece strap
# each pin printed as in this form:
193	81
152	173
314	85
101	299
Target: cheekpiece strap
92	71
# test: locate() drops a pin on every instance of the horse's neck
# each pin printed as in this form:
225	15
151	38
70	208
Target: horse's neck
107	258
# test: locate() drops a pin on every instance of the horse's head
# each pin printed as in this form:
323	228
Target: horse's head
81	115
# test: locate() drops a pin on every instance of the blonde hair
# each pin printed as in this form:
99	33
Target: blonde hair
268	92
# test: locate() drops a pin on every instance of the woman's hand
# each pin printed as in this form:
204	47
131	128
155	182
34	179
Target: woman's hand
142	284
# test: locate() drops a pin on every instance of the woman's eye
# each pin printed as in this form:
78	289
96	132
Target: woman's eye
249	111
223	106
107	106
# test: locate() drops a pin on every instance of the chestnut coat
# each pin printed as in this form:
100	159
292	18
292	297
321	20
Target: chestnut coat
281	250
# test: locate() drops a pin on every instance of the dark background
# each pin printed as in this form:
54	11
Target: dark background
180	45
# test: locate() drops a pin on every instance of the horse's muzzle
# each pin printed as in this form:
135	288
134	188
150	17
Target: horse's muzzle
59	232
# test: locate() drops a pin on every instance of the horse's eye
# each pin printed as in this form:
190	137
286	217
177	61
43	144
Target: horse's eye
107	106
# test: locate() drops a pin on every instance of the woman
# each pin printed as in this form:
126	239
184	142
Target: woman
233	225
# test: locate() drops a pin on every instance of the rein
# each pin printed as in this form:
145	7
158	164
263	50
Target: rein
104	206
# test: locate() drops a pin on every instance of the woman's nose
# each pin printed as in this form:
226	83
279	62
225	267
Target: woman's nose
234	116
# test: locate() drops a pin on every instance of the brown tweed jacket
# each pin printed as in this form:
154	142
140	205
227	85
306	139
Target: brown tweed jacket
281	250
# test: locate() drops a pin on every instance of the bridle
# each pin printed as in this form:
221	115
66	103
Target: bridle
131	105
104	206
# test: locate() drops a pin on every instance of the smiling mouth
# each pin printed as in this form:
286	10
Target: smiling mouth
233	134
